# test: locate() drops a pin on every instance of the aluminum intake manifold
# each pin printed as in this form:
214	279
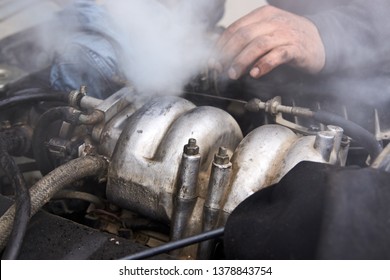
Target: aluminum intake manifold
197	188
145	164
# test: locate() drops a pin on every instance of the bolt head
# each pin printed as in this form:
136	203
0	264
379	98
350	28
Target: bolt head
222	156
191	148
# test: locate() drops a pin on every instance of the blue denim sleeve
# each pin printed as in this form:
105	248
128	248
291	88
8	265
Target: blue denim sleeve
89	53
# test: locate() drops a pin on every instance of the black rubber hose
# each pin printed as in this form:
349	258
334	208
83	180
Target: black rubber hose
359	134
171	246
31	96
25	91
39	137
22	196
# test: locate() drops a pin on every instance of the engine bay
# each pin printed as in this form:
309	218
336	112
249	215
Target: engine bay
116	176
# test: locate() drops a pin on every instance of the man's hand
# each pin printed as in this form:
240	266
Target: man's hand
267	38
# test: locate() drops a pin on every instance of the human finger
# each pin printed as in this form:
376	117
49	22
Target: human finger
271	60
238	42
260	46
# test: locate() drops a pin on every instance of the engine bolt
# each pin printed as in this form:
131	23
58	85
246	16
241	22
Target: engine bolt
222	156
191	148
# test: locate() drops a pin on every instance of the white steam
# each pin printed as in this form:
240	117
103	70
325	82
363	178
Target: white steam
164	45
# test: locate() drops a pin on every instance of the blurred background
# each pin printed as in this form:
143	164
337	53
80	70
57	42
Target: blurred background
14	18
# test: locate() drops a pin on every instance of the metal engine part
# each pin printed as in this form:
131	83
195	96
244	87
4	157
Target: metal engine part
170	160
182	165
268	153
150	174
144	167
173	167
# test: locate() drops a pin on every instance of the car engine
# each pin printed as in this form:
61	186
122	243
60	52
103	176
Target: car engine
110	177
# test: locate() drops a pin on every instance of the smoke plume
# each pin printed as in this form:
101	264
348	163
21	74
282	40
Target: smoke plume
164	44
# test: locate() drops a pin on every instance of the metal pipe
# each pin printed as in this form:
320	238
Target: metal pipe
89	102
186	190
80	100
362	136
338	151
218	184
274	106
95	117
324	144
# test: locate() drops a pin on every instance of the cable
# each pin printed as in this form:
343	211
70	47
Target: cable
31	97
22	195
176	245
24	91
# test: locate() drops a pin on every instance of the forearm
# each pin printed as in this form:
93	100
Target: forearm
89	52
354	36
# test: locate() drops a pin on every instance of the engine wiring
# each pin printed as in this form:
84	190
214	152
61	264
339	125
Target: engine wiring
21	217
31	95
171	246
21	194
50	184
